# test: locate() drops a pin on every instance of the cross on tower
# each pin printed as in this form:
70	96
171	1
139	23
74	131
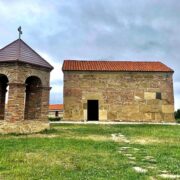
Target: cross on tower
20	32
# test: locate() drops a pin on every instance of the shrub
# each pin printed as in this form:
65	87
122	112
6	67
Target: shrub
177	115
54	118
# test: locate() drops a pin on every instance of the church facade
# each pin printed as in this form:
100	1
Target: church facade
118	91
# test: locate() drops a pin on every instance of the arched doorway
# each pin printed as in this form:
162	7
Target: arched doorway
33	98
3	90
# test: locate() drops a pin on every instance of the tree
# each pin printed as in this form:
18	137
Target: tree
177	115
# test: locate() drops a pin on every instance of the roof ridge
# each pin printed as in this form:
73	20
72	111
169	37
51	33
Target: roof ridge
112	61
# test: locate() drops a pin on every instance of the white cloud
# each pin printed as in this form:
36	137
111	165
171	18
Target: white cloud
57	88
177	95
56	73
91	29
56	78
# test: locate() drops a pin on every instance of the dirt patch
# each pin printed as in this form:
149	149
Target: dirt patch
140	140
118	137
169	176
92	137
150	140
43	135
140	170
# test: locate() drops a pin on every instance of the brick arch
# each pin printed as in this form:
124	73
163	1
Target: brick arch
3	89
33	98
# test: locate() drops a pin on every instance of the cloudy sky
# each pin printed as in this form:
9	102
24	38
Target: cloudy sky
140	30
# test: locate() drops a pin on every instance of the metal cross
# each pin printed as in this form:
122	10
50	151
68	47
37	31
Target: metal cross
20	32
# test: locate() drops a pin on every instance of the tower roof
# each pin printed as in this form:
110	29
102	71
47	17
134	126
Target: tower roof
19	51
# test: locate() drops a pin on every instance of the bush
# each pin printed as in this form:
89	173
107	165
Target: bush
177	115
54	118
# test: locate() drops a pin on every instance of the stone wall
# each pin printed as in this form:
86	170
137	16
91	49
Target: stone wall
17	74
122	96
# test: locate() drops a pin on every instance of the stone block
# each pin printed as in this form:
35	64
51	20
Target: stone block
147	116
130	109
115	108
92	96
164	96
158	117
139	94
145	108
135	117
156	108
83	83
149	95
112	115
169	117
84	105
103	115
23	127
85	114
122	116
167	108
103	107
154	102
137	98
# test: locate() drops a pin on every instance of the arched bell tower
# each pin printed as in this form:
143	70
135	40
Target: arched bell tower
26	76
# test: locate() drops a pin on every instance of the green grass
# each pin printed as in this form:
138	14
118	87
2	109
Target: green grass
88	152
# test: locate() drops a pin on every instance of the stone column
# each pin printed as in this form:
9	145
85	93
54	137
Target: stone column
45	103
16	102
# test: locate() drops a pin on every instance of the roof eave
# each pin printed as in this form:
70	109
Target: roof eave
19	61
116	71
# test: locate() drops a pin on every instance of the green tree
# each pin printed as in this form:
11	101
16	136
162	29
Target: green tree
177	115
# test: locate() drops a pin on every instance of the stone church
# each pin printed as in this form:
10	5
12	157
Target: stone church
24	84
118	91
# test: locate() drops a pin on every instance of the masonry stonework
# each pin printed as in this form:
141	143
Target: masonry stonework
24	89
22	104
122	96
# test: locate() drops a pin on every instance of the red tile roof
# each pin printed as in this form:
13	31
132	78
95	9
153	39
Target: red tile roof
75	65
56	107
19	51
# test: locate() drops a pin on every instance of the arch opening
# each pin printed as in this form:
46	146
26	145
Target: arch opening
33	98
3	95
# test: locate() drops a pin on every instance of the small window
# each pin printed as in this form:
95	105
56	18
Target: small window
158	95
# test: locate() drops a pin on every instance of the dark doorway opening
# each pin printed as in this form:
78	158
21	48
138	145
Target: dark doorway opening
93	110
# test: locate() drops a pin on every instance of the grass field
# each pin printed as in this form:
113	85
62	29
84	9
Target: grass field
92	152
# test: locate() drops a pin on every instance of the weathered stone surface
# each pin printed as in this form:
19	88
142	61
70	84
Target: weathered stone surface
168	117
147	117
23	127
167	108
122	96
145	108
158	116
103	115
149	95
112	115
28	97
